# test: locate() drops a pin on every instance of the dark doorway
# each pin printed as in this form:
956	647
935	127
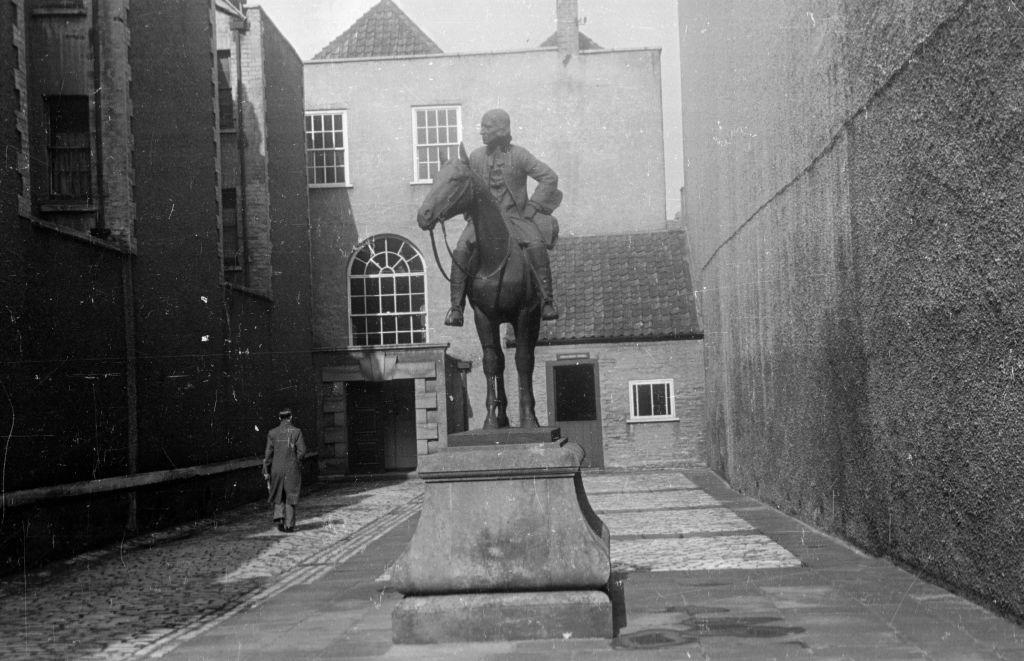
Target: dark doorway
381	426
574	405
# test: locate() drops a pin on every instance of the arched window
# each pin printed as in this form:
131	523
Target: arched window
387	292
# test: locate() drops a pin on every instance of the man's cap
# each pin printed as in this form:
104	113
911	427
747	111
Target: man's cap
284	413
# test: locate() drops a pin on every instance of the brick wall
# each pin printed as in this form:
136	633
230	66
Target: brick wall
252	99
630	445
291	378
180	303
79	315
64	375
63	54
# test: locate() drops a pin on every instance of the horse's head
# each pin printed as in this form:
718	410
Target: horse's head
450	194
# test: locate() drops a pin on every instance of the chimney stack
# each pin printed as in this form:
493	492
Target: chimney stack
568	29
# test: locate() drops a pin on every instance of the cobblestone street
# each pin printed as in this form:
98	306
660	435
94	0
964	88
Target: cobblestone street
142	598
704	572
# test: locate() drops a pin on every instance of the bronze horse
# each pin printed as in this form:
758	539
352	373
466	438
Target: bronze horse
501	284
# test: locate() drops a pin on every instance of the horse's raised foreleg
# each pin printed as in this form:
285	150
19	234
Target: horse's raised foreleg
526	328
494	370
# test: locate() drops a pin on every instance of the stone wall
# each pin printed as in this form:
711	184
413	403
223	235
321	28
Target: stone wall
425	366
853	196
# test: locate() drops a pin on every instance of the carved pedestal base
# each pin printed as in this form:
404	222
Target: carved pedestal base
507	548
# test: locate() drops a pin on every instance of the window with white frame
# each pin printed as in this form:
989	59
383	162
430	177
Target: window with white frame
387	293
651	400
327	149
437	132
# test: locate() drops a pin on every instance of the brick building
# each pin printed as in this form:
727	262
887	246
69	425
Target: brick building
384	108
156	278
623	368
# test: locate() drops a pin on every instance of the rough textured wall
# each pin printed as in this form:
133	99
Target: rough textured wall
937	193
859	263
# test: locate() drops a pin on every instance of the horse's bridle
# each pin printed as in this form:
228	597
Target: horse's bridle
454	195
500	271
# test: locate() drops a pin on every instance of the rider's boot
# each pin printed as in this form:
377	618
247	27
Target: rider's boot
538	256
460	266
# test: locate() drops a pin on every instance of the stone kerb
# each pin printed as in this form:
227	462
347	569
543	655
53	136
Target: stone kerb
507	547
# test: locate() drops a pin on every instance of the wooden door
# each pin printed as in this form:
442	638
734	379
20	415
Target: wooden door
399	402
381	426
365	433
574	405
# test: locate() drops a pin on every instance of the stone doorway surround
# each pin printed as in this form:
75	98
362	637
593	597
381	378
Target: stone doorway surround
430	369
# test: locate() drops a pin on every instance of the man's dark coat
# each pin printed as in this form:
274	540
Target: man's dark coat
283	461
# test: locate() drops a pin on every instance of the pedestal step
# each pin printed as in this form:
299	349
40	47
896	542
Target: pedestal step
502	616
504	436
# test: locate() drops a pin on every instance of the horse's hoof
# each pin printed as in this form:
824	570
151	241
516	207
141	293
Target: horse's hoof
453	318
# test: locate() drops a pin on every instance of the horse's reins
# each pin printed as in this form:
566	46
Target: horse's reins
437	258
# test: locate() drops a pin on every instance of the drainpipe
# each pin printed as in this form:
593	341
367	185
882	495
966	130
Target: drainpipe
101	230
239	26
130	380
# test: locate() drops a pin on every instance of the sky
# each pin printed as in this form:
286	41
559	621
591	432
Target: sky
468	26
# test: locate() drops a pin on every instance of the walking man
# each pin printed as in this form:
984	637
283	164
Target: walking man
505	167
282	468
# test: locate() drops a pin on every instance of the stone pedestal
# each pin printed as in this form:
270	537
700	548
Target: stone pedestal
507	546
506	436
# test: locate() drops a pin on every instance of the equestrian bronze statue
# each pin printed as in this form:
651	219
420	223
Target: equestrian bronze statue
502	282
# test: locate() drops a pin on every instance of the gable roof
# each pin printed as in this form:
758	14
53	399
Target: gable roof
586	43
383	30
622	287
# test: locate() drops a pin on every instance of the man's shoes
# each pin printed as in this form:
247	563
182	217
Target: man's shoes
454	317
289	529
280	527
548	311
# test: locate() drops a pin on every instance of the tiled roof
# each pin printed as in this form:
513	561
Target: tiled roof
622	287
586	43
383	30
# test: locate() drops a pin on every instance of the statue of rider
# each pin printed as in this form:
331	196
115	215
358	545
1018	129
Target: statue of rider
505	167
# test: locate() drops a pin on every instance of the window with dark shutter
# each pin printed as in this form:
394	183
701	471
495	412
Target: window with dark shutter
70	148
224	94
